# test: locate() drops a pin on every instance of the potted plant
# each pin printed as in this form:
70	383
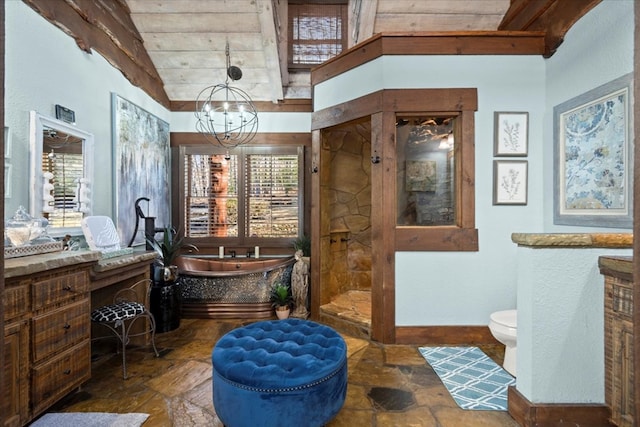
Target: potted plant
303	243
281	299
165	299
168	250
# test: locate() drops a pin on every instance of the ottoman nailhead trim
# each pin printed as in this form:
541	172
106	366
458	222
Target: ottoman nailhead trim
282	390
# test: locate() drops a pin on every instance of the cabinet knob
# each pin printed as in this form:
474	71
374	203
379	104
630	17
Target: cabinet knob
67	371
67	326
67	288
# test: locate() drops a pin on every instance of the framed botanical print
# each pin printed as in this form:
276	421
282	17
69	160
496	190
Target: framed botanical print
511	133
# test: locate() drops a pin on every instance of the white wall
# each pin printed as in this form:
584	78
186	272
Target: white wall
45	67
560	291
595	51
267	122
463	288
560	354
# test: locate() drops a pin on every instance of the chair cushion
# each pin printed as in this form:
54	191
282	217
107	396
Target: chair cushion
115	312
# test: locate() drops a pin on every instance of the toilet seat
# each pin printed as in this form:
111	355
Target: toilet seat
508	318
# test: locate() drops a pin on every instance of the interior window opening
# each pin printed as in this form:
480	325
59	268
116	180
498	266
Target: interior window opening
426	170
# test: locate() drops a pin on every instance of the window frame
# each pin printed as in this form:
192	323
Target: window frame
302	4
462	235
241	240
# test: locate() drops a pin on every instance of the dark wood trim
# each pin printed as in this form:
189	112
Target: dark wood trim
432	43
437	239
286	106
444	335
528	414
2	73
193	138
399	101
315	232
553	17
106	26
383	236
347	111
636	209
381	108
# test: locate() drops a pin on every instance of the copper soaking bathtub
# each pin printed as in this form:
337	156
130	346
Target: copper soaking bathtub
227	288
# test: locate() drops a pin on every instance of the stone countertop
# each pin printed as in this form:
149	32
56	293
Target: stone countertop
24	266
117	262
573	240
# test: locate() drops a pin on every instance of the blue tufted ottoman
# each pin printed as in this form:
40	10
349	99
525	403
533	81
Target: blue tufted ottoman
281	373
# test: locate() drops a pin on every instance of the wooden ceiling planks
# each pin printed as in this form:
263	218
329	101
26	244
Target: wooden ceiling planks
173	49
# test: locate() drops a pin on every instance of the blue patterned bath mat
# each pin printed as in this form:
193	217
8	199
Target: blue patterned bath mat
471	377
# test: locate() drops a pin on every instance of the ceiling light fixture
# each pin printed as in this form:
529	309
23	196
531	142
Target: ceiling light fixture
225	114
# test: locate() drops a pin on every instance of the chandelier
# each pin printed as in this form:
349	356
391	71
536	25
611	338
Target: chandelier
225	114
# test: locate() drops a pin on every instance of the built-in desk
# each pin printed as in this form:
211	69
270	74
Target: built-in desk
110	271
110	275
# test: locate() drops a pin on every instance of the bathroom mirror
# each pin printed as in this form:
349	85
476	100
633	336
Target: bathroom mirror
61	174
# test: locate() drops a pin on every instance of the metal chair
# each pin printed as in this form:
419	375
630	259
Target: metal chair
120	316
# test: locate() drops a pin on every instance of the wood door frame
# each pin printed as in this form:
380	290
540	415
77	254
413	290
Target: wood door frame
381	108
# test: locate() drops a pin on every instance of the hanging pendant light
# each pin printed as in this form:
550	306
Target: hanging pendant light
225	114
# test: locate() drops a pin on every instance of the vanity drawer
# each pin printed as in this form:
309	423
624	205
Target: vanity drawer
59	288
61	328
52	380
16	299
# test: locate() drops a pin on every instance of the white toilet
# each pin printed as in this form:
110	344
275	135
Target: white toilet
503	326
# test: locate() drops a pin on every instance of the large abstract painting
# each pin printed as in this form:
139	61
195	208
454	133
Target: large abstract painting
142	167
593	161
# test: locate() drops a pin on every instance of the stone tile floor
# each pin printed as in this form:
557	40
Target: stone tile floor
389	385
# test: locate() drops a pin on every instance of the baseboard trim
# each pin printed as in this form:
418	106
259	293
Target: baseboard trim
529	414
440	335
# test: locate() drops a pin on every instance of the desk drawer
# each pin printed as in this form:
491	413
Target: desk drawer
53	379
59	288
60	328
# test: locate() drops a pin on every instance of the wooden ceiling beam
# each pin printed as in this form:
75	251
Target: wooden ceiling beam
107	28
270	47
554	17
362	19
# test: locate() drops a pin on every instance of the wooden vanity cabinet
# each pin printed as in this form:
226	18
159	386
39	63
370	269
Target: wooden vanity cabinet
14	402
618	336
47	333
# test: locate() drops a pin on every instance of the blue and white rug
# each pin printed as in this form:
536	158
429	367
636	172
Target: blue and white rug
471	377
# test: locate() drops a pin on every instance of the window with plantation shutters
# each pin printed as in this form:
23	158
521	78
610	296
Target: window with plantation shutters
272	195
67	169
253	194
317	31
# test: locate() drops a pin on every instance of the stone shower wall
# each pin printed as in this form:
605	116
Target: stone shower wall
349	196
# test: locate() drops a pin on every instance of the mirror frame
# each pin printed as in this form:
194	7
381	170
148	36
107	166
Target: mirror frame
37	123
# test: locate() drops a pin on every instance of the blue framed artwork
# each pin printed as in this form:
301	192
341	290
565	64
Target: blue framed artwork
593	173
142	168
